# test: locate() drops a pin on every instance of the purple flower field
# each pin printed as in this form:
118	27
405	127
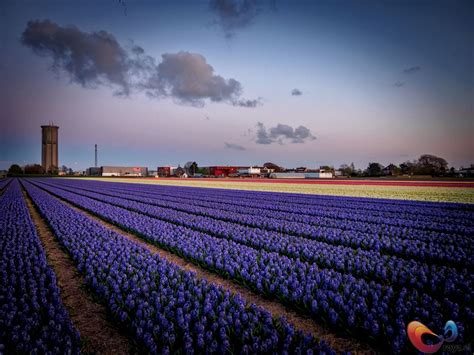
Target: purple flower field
32	317
360	268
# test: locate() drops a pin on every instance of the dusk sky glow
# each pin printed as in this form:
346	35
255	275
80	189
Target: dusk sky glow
293	82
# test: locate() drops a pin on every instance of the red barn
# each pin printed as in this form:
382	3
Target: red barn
164	171
223	170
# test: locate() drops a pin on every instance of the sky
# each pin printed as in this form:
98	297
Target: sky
226	82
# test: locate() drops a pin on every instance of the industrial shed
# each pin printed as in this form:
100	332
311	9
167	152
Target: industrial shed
166	171
321	175
220	170
124	171
94	171
250	171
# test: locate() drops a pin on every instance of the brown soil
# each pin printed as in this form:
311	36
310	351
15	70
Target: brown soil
2	190
303	323
99	336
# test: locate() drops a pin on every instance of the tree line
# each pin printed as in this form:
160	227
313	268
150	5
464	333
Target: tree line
36	169
426	164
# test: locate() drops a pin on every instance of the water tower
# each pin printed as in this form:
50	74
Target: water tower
49	148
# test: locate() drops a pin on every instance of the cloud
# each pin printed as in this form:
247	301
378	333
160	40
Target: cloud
262	135
296	92
188	78
282	133
234	146
90	59
248	103
412	70
124	5
399	84
97	59
233	15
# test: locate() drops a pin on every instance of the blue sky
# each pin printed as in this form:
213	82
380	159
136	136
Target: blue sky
380	81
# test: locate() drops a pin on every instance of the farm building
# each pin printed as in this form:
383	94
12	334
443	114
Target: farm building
467	172
220	170
251	171
165	171
123	171
309	175
93	171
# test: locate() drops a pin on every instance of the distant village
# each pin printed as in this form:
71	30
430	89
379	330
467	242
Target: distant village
192	170
426	165
269	170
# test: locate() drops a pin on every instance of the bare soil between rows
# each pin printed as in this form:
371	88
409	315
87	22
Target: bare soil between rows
298	321
98	334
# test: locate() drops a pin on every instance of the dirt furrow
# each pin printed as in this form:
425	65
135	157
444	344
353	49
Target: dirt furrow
98	334
306	324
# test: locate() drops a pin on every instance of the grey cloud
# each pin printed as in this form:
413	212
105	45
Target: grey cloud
124	5
234	14
301	133
296	92
248	103
234	146
91	59
138	50
281	133
399	84
188	78
95	59
262	135
412	70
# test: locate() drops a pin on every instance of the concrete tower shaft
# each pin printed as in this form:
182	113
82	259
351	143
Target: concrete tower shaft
49	148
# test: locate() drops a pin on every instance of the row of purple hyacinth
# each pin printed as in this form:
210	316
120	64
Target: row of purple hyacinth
317	201
166	308
290	222
340	300
215	221
4	183
442	281
448	221
32	316
443	224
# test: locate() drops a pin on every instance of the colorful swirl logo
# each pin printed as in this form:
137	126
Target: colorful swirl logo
416	330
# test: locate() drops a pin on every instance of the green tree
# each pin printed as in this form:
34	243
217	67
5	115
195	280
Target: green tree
15	169
34	169
408	167
274	167
347	170
391	170
431	165
374	169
